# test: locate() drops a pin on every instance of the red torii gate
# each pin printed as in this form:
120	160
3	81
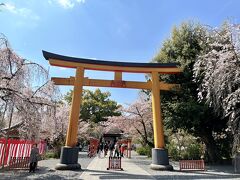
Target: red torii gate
69	154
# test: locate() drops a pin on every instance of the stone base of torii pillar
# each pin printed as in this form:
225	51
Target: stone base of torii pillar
68	159
160	160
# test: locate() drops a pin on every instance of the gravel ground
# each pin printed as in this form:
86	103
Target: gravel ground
46	170
213	172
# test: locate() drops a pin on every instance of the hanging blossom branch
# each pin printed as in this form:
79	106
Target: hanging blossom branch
217	71
25	83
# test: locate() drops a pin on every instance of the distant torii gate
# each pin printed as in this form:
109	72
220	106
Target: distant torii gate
69	153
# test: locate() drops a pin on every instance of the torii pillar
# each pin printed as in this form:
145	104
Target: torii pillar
160	159
69	152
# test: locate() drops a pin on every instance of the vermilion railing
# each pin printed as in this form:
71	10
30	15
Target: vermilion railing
115	163
17	148
192	165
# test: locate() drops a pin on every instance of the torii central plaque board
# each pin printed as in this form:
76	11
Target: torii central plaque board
69	153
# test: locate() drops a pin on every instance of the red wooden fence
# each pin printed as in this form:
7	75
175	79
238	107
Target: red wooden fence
18	148
19	163
192	165
115	163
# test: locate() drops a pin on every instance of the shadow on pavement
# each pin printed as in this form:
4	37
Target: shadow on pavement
115	174
181	175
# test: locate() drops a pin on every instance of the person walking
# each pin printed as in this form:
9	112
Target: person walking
111	148
101	146
116	152
105	149
99	150
121	150
34	156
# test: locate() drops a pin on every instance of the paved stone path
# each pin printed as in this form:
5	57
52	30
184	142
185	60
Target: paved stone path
97	169
135	168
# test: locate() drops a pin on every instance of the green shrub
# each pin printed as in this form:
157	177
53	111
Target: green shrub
173	152
145	151
194	151
51	154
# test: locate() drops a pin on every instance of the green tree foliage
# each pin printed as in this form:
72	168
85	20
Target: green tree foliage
96	105
181	109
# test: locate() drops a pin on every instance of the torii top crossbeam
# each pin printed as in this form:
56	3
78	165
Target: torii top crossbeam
73	62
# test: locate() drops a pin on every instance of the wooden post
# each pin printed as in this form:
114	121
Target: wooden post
157	115
129	148
118	76
71	139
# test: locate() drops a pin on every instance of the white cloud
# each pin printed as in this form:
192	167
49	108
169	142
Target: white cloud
68	4
10	7
22	12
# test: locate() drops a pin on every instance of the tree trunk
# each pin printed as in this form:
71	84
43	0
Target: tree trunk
3	115
150	144
212	154
6	144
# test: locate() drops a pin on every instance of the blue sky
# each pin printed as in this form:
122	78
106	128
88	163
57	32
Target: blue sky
121	30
